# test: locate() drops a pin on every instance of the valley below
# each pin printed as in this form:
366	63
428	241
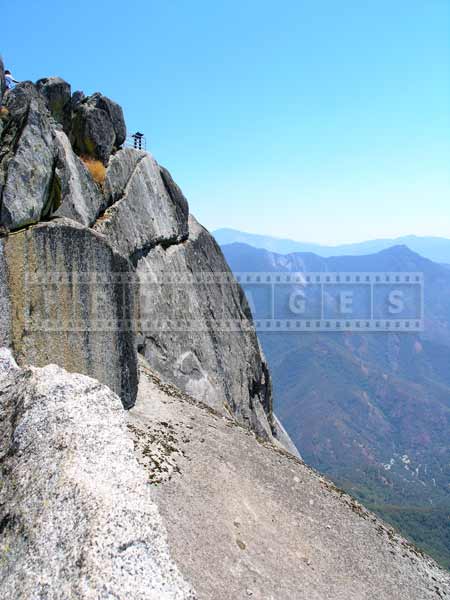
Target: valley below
370	410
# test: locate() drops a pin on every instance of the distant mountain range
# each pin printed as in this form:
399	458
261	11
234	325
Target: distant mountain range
435	248
371	411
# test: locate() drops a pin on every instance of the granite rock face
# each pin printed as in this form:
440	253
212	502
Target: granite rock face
27	159
72	300
189	301
5	313
77	519
115	113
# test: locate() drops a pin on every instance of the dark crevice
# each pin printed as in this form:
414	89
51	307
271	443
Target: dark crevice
54	196
261	390
7	522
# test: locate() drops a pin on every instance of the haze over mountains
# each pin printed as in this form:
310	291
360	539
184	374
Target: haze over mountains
371	410
436	249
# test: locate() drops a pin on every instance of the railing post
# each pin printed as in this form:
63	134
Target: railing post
138	139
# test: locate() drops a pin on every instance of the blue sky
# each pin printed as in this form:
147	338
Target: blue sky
319	120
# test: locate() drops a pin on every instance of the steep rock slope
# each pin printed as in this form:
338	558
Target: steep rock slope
76	517
247	520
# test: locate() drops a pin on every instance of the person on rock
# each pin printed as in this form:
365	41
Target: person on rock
10	81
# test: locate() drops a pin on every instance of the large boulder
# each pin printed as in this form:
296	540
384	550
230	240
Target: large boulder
115	113
97	127
143	211
57	94
72	301
77	521
27	159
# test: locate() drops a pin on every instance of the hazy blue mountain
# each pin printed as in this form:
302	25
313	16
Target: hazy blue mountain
372	411
435	248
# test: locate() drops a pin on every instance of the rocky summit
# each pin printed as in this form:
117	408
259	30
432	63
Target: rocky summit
113	297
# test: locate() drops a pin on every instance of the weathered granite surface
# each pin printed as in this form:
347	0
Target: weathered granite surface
184	325
248	520
77	521
58	312
5	315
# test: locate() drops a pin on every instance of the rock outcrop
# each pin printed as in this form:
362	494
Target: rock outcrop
77	521
196	327
211	350
37	161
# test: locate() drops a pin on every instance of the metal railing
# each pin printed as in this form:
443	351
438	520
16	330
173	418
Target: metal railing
137	141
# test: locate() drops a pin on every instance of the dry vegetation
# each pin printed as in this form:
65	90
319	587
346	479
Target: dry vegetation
4	113
96	168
